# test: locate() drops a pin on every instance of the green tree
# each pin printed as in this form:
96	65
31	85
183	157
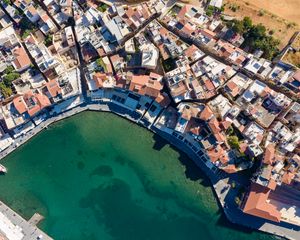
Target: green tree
48	40
247	22
9	69
9	78
233	141
238	27
7	2
6	91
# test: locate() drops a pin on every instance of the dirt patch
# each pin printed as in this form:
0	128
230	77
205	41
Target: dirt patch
292	57
281	18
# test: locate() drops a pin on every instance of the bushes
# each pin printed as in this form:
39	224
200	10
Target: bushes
7	79
210	10
102	7
26	27
233	141
48	40
6	91
101	65
256	37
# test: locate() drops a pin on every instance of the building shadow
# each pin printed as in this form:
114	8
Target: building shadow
192	171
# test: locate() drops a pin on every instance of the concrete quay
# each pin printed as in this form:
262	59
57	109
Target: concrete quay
27	228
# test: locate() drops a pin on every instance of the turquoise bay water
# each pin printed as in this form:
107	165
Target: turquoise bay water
97	176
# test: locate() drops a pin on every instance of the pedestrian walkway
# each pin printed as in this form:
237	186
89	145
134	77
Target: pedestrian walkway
15	227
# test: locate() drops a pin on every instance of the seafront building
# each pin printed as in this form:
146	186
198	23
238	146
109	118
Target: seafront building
170	68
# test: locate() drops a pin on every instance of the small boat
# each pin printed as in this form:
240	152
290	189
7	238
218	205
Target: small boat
3	169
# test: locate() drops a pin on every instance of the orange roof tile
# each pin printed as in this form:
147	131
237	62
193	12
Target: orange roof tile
44	17
99	78
31	102
288	177
272	184
218	153
32	10
183	11
163	99
20	104
269	156
206	114
53	88
214	125
189	112
21	58
234	89
209	85
190	51
258	206
226	124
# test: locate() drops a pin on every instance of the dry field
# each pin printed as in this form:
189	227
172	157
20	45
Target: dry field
279	16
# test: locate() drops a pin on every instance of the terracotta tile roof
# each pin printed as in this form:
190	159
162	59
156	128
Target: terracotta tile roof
42	100
130	12
296	76
214	125
53	88
208	33
179	90
195	130
44	17
145	11
163	51
209	85
21	58
183	11
144	85
288	177
226	124
31	102
206	114
120	82
233	88
190	51
220	137
116	58
272	184
187	29
99	78
32	10
20	104
163	99
218	154
257	204
164	32
269	156
189	112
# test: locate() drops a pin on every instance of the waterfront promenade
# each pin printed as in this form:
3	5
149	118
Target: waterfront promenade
13	226
220	181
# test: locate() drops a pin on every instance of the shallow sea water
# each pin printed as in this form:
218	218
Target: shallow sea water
98	176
